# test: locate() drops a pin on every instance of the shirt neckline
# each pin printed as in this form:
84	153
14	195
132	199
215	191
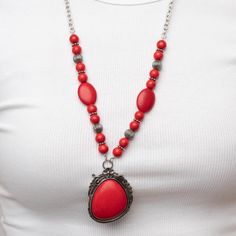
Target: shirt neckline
127	2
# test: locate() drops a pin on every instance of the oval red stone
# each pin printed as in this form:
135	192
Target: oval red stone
109	200
145	100
87	93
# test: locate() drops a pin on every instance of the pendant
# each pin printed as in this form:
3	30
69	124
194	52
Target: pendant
110	196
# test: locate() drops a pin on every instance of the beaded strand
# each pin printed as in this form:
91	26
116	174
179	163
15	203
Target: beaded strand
88	95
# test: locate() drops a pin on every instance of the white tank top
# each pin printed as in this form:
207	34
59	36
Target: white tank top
181	163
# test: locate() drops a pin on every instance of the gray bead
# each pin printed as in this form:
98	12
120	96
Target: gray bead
98	128
129	134
156	65
77	58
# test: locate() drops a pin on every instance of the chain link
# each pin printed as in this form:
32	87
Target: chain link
69	17
167	22
165	28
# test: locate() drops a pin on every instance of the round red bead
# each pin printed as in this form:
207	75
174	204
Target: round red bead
94	119
124	142
91	108
103	148
145	100
117	152
134	125
76	49
100	137
139	115
74	38
87	93
80	67
151	84
82	77
161	44
154	73
158	55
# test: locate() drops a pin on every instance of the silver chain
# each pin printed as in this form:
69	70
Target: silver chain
165	28
167	21
69	17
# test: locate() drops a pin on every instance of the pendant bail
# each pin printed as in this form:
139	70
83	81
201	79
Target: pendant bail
108	163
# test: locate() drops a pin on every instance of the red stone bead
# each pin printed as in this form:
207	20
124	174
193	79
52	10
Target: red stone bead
161	44
109	200
91	108
139	115
74	38
134	125
82	77
145	100
103	148
80	67
76	49
94	119
154	73
124	142
151	84
117	152
158	55
100	137
87	93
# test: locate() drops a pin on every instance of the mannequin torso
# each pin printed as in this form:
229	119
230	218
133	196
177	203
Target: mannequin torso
181	164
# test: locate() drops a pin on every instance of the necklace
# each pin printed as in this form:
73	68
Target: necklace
110	194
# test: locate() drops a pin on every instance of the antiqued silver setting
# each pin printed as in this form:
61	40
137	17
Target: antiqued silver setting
109	173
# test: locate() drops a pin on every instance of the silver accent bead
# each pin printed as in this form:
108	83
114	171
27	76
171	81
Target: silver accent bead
98	128
156	65
77	58
129	134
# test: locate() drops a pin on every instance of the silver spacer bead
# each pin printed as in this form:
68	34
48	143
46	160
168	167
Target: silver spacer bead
101	143
93	113
123	149
153	78
157	65
77	58
137	120
98	128
129	134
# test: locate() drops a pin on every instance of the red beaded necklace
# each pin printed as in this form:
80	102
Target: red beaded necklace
110	195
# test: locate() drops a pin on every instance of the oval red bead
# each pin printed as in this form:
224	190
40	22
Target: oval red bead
87	93
109	200
145	100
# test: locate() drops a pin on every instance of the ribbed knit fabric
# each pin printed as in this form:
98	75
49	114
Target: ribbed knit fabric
181	163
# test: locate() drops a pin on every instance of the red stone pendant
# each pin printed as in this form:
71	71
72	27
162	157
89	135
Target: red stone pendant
110	196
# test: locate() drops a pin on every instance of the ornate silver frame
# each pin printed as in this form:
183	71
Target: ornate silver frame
109	173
